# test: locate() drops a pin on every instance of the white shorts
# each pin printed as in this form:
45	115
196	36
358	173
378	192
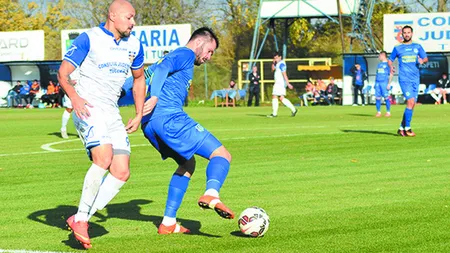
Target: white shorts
66	102
101	128
279	90
447	90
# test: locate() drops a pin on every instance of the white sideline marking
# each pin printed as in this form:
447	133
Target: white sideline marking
48	149
26	251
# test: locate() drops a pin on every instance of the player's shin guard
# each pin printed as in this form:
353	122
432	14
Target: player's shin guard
378	105
91	186
216	173
388	104
177	188
108	190
274	106
408	116
288	104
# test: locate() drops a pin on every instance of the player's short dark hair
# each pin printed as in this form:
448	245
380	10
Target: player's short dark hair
205	32
277	54
383	52
445	73
407	26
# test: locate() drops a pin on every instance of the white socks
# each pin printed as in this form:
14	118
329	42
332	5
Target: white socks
212	192
274	106
91	186
288	104
65	119
108	190
169	221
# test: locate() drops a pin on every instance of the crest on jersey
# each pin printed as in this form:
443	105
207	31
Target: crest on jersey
416	51
71	50
131	56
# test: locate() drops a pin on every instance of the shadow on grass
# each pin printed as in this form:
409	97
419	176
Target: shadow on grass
361	115
131	210
257	115
368	132
238	233
58	134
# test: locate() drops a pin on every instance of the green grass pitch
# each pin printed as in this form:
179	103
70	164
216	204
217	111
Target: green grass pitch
332	179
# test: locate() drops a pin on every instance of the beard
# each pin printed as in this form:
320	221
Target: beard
406	39
124	34
198	60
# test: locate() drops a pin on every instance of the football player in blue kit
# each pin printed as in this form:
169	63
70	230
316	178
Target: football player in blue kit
383	84
174	134
410	55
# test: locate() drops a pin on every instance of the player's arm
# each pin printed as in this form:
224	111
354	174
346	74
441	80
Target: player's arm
286	79
392	59
137	70
72	60
423	58
159	76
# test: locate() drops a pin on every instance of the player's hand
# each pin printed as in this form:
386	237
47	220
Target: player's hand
290	86
149	105
420	61
388	86
133	124
80	107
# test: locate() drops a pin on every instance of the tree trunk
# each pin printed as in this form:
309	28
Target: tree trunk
442	6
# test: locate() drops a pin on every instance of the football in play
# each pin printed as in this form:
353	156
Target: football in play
254	222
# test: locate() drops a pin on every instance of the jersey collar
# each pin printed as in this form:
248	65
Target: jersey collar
108	32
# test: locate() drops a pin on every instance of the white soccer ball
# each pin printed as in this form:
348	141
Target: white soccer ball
254	222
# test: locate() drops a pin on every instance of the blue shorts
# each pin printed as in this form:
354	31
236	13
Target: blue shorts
179	137
381	90
410	89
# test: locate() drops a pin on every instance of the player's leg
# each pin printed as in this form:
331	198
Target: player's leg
360	90
119	171
443	94
274	105
257	92
355	95
410	93
385	95
289	105
93	132
66	117
177	188
216	173
378	99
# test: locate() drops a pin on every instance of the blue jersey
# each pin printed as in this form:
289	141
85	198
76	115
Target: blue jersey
408	61
170	82
383	72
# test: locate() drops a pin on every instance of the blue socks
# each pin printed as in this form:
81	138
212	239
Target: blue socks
378	104
177	188
216	172
408	116
388	105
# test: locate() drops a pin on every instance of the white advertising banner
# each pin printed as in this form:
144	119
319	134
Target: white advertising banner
155	39
22	46
431	30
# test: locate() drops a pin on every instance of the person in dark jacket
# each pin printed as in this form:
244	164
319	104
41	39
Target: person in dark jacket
359	75
331	91
254	88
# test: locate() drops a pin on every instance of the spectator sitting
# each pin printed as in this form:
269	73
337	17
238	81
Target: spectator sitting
441	89
331	91
13	95
51	95
24	94
33	91
233	86
309	92
320	92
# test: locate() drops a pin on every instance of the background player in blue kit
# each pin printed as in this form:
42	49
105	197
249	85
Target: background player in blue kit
174	134
410	56
383	84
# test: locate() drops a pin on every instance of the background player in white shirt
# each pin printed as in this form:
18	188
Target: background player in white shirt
104	56
68	105
279	88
